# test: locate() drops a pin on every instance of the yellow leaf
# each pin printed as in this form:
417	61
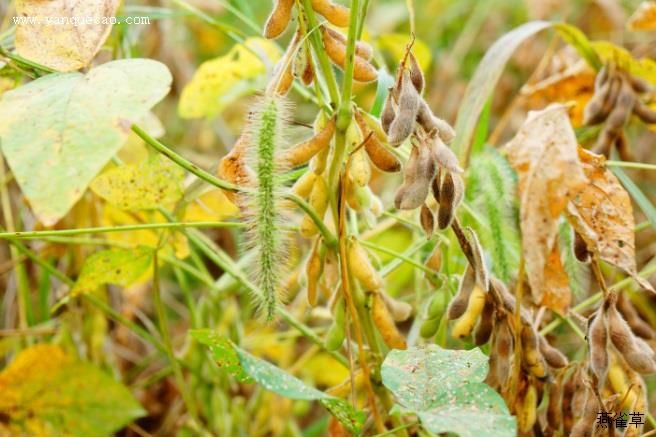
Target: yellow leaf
644	68
213	205
395	44
644	18
315	370
603	215
544	154
219	81
155	182
56	37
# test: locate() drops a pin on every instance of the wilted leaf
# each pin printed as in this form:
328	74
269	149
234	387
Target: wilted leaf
62	39
558	295
155	182
59	131
544	154
395	44
445	389
244	366
485	80
219	81
644	18
48	393
212	205
575	84
603	215
121	267
644	68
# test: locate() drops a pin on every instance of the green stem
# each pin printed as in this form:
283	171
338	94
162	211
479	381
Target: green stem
123	228
627	164
345	110
400	256
168	344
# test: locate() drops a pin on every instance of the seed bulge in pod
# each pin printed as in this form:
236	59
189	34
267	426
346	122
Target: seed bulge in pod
533	360
465	323
485	323
279	18
427	220
361	267
404	122
598	344
385	323
637	354
458	304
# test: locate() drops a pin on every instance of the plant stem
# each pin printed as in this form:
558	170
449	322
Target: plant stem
345	111
122	228
628	164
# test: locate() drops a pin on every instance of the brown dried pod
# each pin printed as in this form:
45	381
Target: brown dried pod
482	275
408	105
630	314
532	358
434	125
303	66
362	49
313	270
416	74
554	407
585	425
301	153
382	158
400	311
635	351
644	112
444	156
388	115
553	356
597	109
485	324
363	71
622	147
435	185
508	300
417	176
639	85
458	304
570	387
580	248
427	220
279	18
502	347
451	192
526	405
385	323
598	344
335	13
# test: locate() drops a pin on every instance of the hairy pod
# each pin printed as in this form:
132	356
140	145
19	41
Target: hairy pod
444	156
597	108
639	85
527	411
552	356
502	348
635	351
482	275
435	185
313	270
508	300
622	109
336	14
375	125
303	66
362	49
337	331
302	152
388	115
585	425
485	323
554	407
362	268
570	387
452	190
532	358
640	403
408	106
319	202
465	323
417	176
434	126
458	304
644	112
619	383
303	185
382	158
427	220
434	314
580	248
598	344
416	74
360	169
363	71
279	18
385	323
434	260
622	147
628	311
400	311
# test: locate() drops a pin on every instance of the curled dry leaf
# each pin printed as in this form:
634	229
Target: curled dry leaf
603	216
68	43
644	18
550	174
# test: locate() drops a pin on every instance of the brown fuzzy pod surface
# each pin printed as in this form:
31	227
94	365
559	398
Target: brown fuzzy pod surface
385	323
458	304
598	344
382	158
408	106
279	18
301	153
417	176
635	351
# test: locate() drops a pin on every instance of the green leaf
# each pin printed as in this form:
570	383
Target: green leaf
445	389
577	39
46	392
246	368
643	202
485	80
220	81
60	130
121	267
155	182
